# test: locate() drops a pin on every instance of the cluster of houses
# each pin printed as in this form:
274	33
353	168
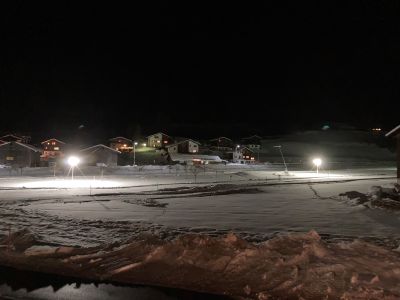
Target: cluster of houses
17	151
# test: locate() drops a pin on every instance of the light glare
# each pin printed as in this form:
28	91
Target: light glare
317	161
73	161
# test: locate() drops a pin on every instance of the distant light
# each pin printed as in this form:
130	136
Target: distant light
124	145
317	162
238	146
326	127
165	142
73	161
144	145
135	143
158	141
376	129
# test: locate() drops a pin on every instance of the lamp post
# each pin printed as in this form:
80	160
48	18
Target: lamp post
317	162
73	161
283	158
134	153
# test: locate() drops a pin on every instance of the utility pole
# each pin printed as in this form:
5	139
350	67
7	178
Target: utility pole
283	158
134	153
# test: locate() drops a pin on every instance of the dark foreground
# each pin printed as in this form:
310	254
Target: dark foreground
293	266
16	284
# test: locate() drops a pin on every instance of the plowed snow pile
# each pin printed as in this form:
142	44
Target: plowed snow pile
378	197
295	266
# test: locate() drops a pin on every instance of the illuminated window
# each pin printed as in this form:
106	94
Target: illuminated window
56	148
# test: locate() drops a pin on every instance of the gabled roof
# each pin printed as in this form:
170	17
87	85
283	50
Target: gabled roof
99	146
11	135
242	148
157	133
394	131
255	136
221	137
61	142
183	141
30	147
120	138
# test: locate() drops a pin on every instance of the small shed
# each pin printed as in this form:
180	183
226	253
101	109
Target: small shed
395	132
99	155
19	155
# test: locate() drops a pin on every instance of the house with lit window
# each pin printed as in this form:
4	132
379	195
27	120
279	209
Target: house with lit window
121	144
19	155
52	149
159	140
243	155
184	146
395	133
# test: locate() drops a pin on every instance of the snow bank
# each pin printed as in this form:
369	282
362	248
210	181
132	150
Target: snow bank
378	197
295	266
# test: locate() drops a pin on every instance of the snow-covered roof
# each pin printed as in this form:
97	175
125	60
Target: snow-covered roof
186	140
120	138
11	135
61	142
99	146
243	148
158	133
255	136
221	137
191	157
393	131
30	147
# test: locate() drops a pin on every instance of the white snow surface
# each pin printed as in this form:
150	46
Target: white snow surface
114	208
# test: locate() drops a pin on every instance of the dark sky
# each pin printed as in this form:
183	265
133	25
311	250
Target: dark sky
199	69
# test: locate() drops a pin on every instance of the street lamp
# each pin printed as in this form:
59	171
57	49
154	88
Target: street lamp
73	161
134	153
317	162
283	158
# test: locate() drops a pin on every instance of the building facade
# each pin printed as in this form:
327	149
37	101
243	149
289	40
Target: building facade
52	149
20	155
121	144
99	155
185	146
243	155
159	140
221	144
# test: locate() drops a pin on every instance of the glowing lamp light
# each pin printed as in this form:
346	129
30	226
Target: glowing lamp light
317	162
73	161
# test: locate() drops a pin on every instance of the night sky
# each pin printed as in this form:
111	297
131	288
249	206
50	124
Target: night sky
198	70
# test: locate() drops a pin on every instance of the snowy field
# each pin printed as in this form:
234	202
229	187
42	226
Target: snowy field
255	202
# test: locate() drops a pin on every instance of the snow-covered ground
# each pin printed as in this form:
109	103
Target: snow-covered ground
256	203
